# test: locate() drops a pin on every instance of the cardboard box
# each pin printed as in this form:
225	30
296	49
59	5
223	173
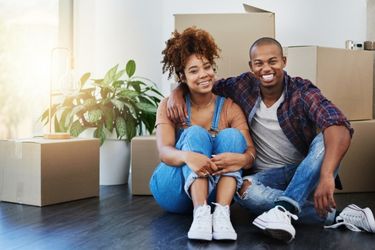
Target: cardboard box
233	33
41	172
344	76
144	159
357	170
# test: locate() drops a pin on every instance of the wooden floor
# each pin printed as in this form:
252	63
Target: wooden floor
118	220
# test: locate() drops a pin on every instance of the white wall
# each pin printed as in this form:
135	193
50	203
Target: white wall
111	31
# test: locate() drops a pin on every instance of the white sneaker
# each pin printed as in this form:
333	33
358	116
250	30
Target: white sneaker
201	228
277	222
356	219
222	227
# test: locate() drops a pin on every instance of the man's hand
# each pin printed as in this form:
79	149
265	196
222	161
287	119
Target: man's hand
228	162
176	106
323	197
200	164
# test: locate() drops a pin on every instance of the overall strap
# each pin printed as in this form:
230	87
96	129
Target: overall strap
216	119
188	106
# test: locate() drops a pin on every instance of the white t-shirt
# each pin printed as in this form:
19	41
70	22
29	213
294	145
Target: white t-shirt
274	150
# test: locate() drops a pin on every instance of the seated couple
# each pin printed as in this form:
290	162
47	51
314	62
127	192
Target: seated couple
205	146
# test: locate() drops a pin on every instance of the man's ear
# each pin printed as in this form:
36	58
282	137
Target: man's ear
250	66
284	60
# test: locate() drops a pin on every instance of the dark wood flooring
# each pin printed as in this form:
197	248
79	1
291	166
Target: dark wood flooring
118	220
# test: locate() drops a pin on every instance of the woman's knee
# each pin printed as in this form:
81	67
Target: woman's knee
197	132
230	140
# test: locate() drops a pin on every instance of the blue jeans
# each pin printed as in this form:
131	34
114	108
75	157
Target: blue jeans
292	183
170	185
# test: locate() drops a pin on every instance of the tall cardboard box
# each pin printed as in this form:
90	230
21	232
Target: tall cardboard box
144	159
344	76
357	170
41	172
234	33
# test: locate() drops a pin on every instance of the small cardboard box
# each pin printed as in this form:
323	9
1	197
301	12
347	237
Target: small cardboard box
357	170
344	76
144	159
41	172
234	33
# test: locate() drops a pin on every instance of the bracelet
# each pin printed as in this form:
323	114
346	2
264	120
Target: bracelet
252	155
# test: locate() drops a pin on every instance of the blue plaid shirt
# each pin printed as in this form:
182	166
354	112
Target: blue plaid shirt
303	112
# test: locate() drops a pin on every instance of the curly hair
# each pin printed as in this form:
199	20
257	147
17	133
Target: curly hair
182	45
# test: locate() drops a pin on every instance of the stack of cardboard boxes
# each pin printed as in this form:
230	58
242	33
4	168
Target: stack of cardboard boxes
344	76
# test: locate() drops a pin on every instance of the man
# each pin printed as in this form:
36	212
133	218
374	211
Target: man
295	167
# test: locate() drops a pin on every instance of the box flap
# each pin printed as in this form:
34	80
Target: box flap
249	8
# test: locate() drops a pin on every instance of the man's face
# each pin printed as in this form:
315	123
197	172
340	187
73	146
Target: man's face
267	64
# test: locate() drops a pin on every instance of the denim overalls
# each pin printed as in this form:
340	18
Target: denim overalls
170	184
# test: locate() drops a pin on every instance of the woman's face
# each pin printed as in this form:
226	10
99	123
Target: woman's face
199	74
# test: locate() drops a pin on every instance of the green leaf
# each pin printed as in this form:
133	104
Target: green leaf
108	113
89	102
131	128
130	68
45	116
118	104
125	93
156	91
117	84
76	129
94	115
110	75
136	85
131	108
57	125
99	133
146	107
148	120
65	119
104	92
120	127
119	75
84	79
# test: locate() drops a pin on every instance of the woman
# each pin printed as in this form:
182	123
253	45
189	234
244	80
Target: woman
201	158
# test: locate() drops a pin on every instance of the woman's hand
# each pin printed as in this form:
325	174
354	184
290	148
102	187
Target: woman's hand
200	164
228	162
176	106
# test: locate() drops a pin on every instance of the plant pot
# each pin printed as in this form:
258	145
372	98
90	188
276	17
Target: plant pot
114	159
114	162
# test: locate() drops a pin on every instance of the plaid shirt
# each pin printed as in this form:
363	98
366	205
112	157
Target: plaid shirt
303	111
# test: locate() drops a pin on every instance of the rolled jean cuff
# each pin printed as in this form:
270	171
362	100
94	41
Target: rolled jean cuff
192	177
291	201
330	219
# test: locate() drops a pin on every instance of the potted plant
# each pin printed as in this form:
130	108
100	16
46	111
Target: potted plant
120	104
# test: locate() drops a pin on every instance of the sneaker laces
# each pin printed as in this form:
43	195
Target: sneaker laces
285	214
222	215
341	222
200	216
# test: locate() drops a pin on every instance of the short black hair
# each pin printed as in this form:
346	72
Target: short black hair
264	41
